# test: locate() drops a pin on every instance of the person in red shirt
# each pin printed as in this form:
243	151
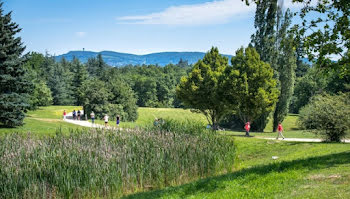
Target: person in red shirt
247	129
64	115
280	130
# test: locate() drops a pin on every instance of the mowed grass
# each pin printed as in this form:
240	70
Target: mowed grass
302	170
44	121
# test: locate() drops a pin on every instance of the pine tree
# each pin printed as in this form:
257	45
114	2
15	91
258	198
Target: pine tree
79	77
14	86
101	66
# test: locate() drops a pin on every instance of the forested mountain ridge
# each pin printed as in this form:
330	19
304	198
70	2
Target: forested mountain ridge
122	59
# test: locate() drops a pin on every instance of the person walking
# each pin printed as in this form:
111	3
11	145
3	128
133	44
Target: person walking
280	130
92	116
247	129
106	120
79	114
74	115
64	115
118	120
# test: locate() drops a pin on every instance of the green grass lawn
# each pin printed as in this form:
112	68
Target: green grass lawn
303	170
44	121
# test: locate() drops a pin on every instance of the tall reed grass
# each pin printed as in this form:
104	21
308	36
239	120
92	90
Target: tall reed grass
106	163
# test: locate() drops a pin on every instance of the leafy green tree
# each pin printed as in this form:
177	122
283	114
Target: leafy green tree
14	86
311	84
95	97
123	95
201	90
264	41
146	89
249	86
41	95
327	35
328	116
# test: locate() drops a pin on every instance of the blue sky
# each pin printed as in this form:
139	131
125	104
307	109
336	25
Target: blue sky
133	26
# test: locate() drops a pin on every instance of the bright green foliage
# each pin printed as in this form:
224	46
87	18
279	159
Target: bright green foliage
328	35
264	41
80	75
275	47
249	85
123	96
286	66
41	95
201	89
311	84
95	97
147	92
108	164
328	116
59	81
96	66
14	85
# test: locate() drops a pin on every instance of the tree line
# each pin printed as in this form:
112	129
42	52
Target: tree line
266	80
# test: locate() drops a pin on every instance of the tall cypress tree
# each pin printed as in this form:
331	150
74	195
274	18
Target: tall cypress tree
286	66
14	86
264	41
276	47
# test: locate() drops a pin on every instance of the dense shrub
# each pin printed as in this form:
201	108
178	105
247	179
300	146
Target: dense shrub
328	116
107	164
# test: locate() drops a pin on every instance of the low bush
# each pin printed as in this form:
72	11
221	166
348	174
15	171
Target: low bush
100	163
328	116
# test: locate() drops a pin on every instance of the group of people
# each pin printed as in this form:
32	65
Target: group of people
279	129
106	118
77	116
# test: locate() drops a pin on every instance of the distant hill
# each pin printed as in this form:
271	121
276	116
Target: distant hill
122	59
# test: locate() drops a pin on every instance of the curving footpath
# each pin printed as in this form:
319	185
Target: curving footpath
85	123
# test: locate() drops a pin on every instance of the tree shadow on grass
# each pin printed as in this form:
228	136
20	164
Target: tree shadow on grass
212	184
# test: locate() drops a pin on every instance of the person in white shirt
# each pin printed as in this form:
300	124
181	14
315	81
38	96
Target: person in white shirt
106	120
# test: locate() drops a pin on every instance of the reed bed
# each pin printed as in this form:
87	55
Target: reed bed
108	163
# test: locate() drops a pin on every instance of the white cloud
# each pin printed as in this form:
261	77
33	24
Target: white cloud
80	34
196	14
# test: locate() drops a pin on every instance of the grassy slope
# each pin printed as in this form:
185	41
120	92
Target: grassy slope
303	170
44	121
